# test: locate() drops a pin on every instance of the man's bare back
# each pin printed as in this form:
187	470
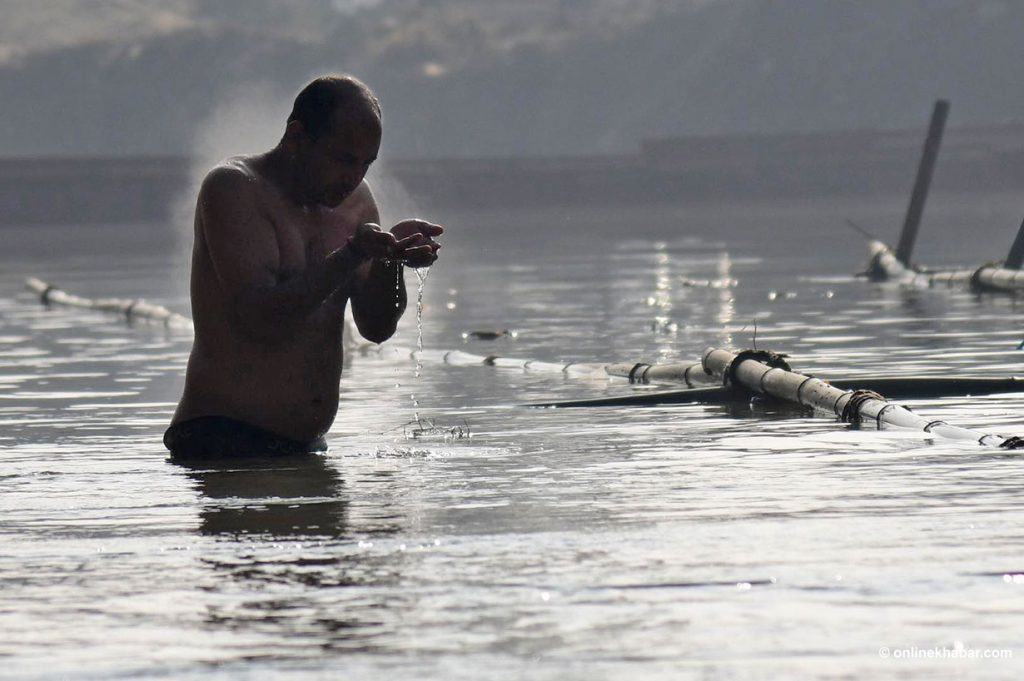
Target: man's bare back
284	241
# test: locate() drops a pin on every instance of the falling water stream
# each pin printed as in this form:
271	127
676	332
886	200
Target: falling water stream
419	427
421	275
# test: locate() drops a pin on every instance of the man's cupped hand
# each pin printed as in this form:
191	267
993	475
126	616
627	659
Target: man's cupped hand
410	241
415	245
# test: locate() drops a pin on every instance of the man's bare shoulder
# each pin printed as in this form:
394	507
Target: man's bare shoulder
236	176
233	200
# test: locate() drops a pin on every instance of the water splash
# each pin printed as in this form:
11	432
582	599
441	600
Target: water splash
428	429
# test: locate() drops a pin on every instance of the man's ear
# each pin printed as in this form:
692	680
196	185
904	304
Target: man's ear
294	135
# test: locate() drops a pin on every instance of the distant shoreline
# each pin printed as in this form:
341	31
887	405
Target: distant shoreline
62	190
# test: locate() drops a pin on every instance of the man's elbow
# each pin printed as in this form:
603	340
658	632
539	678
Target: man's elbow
377	331
377	336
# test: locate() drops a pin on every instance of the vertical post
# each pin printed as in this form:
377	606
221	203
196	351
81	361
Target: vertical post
922	182
1016	257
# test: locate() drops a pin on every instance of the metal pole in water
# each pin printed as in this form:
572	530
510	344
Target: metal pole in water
921	184
1016	257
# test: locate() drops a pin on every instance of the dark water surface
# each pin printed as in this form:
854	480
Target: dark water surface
674	542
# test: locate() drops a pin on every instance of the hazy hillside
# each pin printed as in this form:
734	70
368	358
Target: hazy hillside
499	78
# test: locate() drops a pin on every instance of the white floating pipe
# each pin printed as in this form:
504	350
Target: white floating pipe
996	278
131	309
462	358
850	405
717	366
693	375
137	308
883	266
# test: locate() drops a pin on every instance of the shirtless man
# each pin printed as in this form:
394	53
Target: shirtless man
283	241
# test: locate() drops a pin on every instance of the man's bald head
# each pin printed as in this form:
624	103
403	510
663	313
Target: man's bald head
330	100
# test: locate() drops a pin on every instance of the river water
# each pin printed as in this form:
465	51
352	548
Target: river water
687	541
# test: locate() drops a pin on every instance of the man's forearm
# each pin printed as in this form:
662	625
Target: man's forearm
272	313
379	300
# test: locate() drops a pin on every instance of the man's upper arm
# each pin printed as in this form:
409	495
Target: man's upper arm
240	240
374	316
367	209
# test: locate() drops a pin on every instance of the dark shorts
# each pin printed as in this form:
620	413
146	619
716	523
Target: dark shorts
220	437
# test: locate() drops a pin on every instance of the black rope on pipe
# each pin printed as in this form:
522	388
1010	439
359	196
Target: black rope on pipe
851	410
131	308
699	367
800	390
765	374
835	405
1014	442
878	416
975	282
776	360
44	297
874	270
639	366
932	424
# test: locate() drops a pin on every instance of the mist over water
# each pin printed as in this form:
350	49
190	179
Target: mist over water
248	119
393	200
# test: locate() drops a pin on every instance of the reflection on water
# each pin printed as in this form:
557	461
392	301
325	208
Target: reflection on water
295	497
710	541
298	579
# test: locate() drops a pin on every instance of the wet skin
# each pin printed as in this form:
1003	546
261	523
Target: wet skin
283	242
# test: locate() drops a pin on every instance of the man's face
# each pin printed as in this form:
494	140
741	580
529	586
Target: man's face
334	165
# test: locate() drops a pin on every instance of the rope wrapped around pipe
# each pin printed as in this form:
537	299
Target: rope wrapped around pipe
791	386
851	412
775	360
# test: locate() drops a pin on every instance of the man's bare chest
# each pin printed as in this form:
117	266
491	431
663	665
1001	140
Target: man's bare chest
305	240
